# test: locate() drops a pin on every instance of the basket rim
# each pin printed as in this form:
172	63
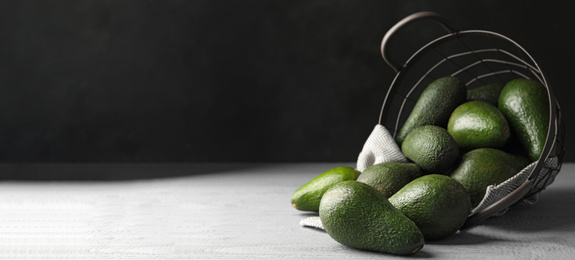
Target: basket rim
553	125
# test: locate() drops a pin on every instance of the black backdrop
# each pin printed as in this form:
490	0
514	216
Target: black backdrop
227	80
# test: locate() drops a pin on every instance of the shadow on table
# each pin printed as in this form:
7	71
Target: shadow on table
464	238
111	171
554	210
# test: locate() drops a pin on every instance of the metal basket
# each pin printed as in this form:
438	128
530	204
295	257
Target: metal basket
477	57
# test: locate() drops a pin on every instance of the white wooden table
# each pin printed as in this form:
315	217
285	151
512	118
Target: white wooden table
233	212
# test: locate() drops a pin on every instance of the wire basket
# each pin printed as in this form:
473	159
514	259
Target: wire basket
477	57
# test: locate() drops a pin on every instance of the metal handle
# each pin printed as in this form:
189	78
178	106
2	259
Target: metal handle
407	20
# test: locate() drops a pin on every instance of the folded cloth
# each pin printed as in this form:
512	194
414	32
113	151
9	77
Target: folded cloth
380	147
313	222
494	193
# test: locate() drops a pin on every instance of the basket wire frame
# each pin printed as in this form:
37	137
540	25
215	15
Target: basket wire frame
477	57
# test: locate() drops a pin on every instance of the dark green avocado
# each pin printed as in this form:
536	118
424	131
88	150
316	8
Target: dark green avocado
434	105
477	124
432	148
488	93
308	196
525	104
359	216
438	204
389	177
482	167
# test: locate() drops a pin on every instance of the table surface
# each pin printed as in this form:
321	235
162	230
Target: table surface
236	211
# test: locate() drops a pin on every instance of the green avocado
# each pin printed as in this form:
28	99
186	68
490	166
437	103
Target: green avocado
438	204
308	196
432	148
359	216
525	104
477	124
488	93
434	105
482	167
389	177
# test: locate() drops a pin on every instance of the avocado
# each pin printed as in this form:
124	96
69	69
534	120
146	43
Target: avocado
438	204
389	177
434	105
525	104
482	167
488	93
477	124
359	216
431	147
308	196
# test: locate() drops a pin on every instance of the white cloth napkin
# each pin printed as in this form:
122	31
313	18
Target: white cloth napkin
380	147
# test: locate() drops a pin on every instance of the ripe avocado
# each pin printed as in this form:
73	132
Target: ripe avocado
431	147
434	105
477	124
359	216
389	177
488	93
525	104
438	204
482	167
308	196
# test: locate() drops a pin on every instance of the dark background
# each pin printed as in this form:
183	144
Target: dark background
227	80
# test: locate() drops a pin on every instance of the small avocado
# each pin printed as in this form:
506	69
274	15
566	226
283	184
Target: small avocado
482	167
359	216
477	124
389	177
434	105
438	204
308	196
431	147
525	104
488	93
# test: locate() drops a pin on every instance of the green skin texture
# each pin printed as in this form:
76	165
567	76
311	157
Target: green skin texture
308	196
482	167
434	105
525	104
438	204
488	93
359	216
477	124
432	148
390	177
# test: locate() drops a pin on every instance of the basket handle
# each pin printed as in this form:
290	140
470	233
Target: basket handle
405	21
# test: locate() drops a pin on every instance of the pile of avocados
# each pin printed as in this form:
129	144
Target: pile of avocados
458	142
